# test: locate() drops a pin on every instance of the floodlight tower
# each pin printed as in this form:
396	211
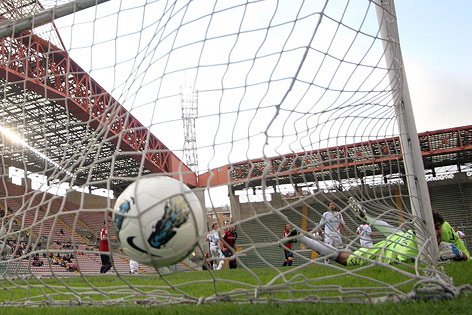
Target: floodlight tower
189	102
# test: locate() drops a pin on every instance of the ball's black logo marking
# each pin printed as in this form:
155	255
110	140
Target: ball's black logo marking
176	212
118	222
131	243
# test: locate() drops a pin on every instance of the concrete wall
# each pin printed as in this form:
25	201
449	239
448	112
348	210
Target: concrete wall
89	201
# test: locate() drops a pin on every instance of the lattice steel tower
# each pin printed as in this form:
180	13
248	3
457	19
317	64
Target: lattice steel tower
189	102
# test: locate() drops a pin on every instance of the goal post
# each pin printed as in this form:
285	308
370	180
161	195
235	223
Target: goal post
302	106
34	15
417	186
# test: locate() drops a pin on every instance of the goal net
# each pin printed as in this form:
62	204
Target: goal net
268	110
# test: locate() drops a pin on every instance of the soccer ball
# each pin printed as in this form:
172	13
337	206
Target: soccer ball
157	220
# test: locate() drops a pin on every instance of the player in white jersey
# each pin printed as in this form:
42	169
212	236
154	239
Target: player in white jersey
215	247
133	267
460	234
332	222
364	231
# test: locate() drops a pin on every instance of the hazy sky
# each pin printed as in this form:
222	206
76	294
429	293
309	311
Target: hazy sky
433	36
436	47
436	51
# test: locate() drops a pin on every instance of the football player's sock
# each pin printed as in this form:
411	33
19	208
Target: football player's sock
319	247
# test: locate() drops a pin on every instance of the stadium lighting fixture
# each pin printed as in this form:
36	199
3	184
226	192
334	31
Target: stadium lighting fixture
17	139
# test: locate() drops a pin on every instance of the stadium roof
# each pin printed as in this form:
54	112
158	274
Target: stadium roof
64	115
381	156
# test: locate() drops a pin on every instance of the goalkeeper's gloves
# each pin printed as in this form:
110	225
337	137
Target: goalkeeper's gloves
356	207
449	251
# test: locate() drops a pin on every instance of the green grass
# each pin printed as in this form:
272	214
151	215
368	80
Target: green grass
321	281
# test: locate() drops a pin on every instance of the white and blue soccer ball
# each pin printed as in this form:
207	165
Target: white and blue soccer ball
158	220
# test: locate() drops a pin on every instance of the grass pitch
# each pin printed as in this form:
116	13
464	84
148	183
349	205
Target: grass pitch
317	280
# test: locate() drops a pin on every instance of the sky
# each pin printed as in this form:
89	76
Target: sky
436	49
433	38
241	122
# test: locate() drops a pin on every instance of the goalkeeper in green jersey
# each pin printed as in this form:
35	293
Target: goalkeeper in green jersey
399	246
449	235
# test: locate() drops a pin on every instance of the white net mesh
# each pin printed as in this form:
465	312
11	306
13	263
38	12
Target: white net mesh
296	107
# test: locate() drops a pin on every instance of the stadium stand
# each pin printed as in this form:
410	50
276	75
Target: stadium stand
450	196
50	217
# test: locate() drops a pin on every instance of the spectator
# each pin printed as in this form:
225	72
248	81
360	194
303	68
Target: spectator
67	257
6	252
36	261
19	251
72	267
55	261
